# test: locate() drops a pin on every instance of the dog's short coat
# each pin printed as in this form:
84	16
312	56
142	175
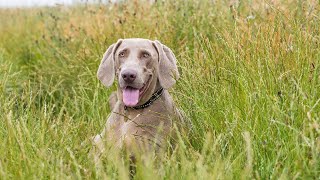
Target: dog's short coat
142	67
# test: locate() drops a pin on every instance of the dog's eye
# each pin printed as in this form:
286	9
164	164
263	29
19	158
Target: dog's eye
121	54
146	55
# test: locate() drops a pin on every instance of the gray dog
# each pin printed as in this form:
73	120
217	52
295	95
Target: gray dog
143	112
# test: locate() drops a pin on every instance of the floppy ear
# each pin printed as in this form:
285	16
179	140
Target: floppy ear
106	71
168	72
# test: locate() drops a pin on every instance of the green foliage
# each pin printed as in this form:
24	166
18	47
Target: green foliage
250	83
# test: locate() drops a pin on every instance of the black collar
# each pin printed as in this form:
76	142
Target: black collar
153	98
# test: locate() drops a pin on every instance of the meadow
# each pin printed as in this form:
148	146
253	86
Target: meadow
250	84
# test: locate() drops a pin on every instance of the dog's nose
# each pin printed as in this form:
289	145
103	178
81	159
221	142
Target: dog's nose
129	75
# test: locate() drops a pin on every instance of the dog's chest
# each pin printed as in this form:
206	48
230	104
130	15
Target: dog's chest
149	126
142	123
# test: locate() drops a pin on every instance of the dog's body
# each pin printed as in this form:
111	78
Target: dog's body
146	129
145	69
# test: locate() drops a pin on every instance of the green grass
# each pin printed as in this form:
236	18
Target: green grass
250	83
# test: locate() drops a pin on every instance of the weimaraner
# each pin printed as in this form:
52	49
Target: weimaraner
143	112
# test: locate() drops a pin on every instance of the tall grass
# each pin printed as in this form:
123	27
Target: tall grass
250	83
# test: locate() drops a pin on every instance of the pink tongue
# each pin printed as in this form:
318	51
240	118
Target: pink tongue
130	96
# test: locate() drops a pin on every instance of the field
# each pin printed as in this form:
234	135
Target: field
250	83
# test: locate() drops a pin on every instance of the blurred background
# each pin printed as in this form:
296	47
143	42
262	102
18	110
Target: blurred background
32	3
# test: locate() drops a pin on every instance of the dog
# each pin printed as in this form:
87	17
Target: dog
143	112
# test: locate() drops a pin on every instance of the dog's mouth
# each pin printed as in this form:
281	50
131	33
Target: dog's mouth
132	95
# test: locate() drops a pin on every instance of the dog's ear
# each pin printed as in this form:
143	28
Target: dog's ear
106	71
168	72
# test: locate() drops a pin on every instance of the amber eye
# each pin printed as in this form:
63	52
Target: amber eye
146	55
121	54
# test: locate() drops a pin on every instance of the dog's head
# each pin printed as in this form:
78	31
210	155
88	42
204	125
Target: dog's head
139	65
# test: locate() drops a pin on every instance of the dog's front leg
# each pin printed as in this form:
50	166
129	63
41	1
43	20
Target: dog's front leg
98	142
